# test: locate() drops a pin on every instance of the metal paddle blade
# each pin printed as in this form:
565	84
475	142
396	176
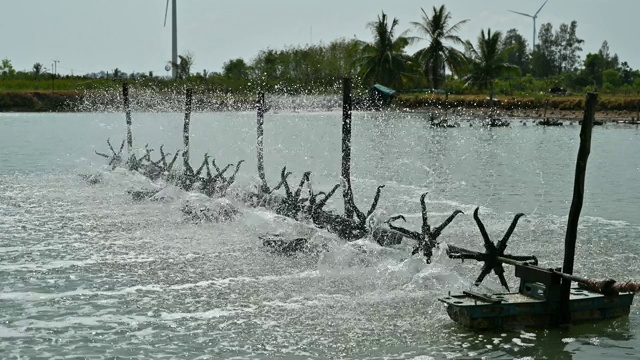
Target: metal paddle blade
486	269
503	281
494	254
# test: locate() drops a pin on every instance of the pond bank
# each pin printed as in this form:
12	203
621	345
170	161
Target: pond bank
611	108
606	116
38	101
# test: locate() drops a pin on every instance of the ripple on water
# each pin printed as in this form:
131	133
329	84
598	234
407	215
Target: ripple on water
86	271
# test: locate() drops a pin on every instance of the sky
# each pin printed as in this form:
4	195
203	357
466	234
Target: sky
87	36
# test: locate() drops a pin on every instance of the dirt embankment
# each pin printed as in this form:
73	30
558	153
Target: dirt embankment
38	101
610	108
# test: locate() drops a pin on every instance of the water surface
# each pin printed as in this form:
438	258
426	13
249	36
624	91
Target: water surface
85	271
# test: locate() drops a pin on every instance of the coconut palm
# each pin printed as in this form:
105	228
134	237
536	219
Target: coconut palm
383	61
436	31
183	65
37	70
487	62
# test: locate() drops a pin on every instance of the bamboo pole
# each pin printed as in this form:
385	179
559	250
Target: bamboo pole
260	143
347	193
127	112
185	130
576	204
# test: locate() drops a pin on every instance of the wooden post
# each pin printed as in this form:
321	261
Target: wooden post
546	103
127	113
576	204
185	131
491	98
347	193
260	144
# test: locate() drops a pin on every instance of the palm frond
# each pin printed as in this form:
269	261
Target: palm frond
436	29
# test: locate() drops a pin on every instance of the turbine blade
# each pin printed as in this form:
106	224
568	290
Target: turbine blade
166	11
541	8
521	13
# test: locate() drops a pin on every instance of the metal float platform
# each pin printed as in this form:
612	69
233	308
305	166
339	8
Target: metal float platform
536	304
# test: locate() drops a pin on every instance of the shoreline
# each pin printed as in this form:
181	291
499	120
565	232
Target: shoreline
534	115
475	114
613	109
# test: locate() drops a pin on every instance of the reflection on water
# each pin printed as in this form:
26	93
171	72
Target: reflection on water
85	271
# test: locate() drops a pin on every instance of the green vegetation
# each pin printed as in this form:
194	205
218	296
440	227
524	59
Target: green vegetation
437	55
487	62
617	105
497	64
383	61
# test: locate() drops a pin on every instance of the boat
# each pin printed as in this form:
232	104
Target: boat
537	302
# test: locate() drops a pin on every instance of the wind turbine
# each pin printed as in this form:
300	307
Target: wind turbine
174	36
534	17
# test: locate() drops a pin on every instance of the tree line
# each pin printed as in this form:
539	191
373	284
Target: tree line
496	62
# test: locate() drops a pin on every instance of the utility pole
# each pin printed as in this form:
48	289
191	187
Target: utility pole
54	68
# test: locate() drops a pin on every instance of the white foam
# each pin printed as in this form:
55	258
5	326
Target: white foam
11	333
519	342
209	314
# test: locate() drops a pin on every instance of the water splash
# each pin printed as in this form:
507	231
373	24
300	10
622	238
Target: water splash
156	100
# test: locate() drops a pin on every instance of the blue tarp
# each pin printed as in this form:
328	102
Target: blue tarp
384	90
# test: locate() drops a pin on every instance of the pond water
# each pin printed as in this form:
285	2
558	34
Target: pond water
87	272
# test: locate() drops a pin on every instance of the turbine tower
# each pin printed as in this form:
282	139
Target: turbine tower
174	36
534	17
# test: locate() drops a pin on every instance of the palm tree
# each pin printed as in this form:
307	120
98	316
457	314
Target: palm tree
488	61
184	65
383	61
38	70
437	32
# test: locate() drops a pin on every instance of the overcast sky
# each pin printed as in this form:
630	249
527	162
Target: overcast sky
92	35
